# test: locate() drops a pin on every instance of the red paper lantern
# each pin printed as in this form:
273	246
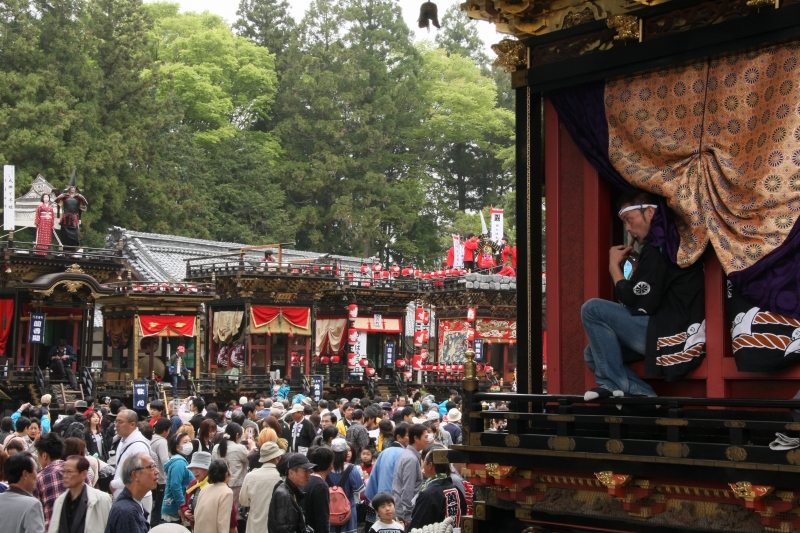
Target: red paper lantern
471	334
370	371
471	314
352	311
400	363
352	336
364	362
336	359
418	339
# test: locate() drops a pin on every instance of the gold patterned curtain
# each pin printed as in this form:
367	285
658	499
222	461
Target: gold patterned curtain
720	139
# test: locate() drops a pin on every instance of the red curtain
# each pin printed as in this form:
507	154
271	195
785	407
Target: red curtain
166	326
7	314
296	316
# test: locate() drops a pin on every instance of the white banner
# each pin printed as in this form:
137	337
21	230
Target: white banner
497	223
8	197
458	252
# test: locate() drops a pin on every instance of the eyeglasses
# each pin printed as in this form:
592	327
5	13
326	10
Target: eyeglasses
152	466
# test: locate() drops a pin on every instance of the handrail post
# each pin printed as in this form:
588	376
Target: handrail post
470	386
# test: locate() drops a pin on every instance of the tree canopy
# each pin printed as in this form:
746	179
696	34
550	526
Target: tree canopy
335	131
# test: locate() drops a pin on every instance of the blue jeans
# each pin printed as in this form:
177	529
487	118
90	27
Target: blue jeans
615	337
175	379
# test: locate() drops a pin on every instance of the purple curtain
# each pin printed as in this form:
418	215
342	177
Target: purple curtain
583	113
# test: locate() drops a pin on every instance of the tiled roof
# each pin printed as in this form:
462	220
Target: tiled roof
157	257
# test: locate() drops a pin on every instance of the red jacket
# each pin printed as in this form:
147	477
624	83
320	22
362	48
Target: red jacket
469	249
505	253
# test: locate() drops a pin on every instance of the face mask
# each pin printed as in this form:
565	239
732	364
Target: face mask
430	437
187	449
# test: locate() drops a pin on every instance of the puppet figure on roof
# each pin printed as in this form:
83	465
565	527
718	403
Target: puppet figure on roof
44	221
70	205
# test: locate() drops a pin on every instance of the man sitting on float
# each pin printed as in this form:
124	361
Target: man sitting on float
660	317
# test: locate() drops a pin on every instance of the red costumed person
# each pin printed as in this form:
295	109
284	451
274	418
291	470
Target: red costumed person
45	218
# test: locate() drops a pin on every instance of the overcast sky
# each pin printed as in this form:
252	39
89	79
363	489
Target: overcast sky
227	10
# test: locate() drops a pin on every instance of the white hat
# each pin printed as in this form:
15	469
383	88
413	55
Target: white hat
269	450
454	415
200	460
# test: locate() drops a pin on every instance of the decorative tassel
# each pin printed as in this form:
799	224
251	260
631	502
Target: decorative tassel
428	13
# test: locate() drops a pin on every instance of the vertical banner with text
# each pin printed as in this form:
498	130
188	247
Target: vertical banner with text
140	395
36	331
8	197
388	354
316	387
496	221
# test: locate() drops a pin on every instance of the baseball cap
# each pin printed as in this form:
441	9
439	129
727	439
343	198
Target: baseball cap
298	460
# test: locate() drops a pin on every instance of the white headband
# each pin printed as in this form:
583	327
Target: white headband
632	207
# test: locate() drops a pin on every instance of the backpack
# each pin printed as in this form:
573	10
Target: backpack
340	503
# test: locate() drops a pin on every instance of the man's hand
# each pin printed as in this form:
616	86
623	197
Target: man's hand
617	256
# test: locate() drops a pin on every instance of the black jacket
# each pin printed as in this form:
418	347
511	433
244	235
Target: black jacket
317	505
195	421
285	513
439	499
306	436
674	299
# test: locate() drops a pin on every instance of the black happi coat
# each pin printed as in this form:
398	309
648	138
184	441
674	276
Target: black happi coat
674	299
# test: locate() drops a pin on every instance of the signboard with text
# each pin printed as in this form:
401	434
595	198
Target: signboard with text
36	331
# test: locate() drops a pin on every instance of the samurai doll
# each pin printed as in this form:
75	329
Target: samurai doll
70	205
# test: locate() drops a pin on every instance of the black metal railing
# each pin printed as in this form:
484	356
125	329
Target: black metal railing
31	249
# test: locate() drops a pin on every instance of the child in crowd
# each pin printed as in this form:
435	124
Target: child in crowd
367	457
383	504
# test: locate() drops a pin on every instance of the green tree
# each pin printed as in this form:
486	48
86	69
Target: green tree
267	23
77	84
464	132
351	173
226	83
459	35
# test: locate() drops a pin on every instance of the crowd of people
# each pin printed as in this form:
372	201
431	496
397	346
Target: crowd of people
260	464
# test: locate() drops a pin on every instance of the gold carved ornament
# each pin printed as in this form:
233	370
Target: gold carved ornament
612	480
510	54
627	27
750	492
498	471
